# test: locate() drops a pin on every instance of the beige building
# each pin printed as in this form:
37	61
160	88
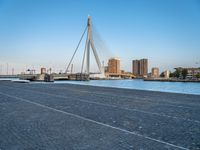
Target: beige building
114	65
140	67
155	72
135	67
166	74
43	70
191	72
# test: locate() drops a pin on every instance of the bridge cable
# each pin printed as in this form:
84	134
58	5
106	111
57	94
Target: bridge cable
76	49
84	54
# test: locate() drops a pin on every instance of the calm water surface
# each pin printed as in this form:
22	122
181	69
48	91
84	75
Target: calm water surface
175	87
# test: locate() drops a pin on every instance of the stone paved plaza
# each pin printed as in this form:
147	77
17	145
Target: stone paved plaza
76	117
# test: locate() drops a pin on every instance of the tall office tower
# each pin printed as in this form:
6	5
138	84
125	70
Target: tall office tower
155	72
140	67
144	67
135	67
114	65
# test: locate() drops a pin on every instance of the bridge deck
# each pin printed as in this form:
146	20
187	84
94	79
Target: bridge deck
65	116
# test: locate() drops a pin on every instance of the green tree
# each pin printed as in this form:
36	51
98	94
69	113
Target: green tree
171	74
198	75
162	74
177	73
184	73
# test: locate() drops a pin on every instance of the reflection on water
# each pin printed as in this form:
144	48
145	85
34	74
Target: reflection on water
175	87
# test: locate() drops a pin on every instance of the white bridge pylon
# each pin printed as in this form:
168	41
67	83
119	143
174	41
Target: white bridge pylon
89	45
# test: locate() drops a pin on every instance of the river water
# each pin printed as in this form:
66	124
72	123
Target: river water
175	87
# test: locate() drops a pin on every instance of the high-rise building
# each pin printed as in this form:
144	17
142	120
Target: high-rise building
143	67
114	65
155	72
135	67
140	67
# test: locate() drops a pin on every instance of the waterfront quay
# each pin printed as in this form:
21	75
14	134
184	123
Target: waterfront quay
171	80
67	116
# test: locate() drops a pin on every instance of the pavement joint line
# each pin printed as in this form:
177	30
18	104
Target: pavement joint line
95	122
105	94
114	106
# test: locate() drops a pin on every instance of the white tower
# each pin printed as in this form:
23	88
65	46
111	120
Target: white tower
89	46
90	43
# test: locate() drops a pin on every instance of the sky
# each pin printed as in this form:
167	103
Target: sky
45	33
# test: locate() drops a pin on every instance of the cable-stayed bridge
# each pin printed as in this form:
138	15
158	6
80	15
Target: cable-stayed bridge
85	72
92	44
89	49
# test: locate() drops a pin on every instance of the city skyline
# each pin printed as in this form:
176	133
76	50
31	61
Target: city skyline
35	34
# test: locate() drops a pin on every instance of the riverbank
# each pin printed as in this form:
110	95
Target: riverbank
171	80
174	87
56	116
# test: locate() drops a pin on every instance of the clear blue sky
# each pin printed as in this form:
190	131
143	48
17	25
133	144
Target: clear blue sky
36	33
